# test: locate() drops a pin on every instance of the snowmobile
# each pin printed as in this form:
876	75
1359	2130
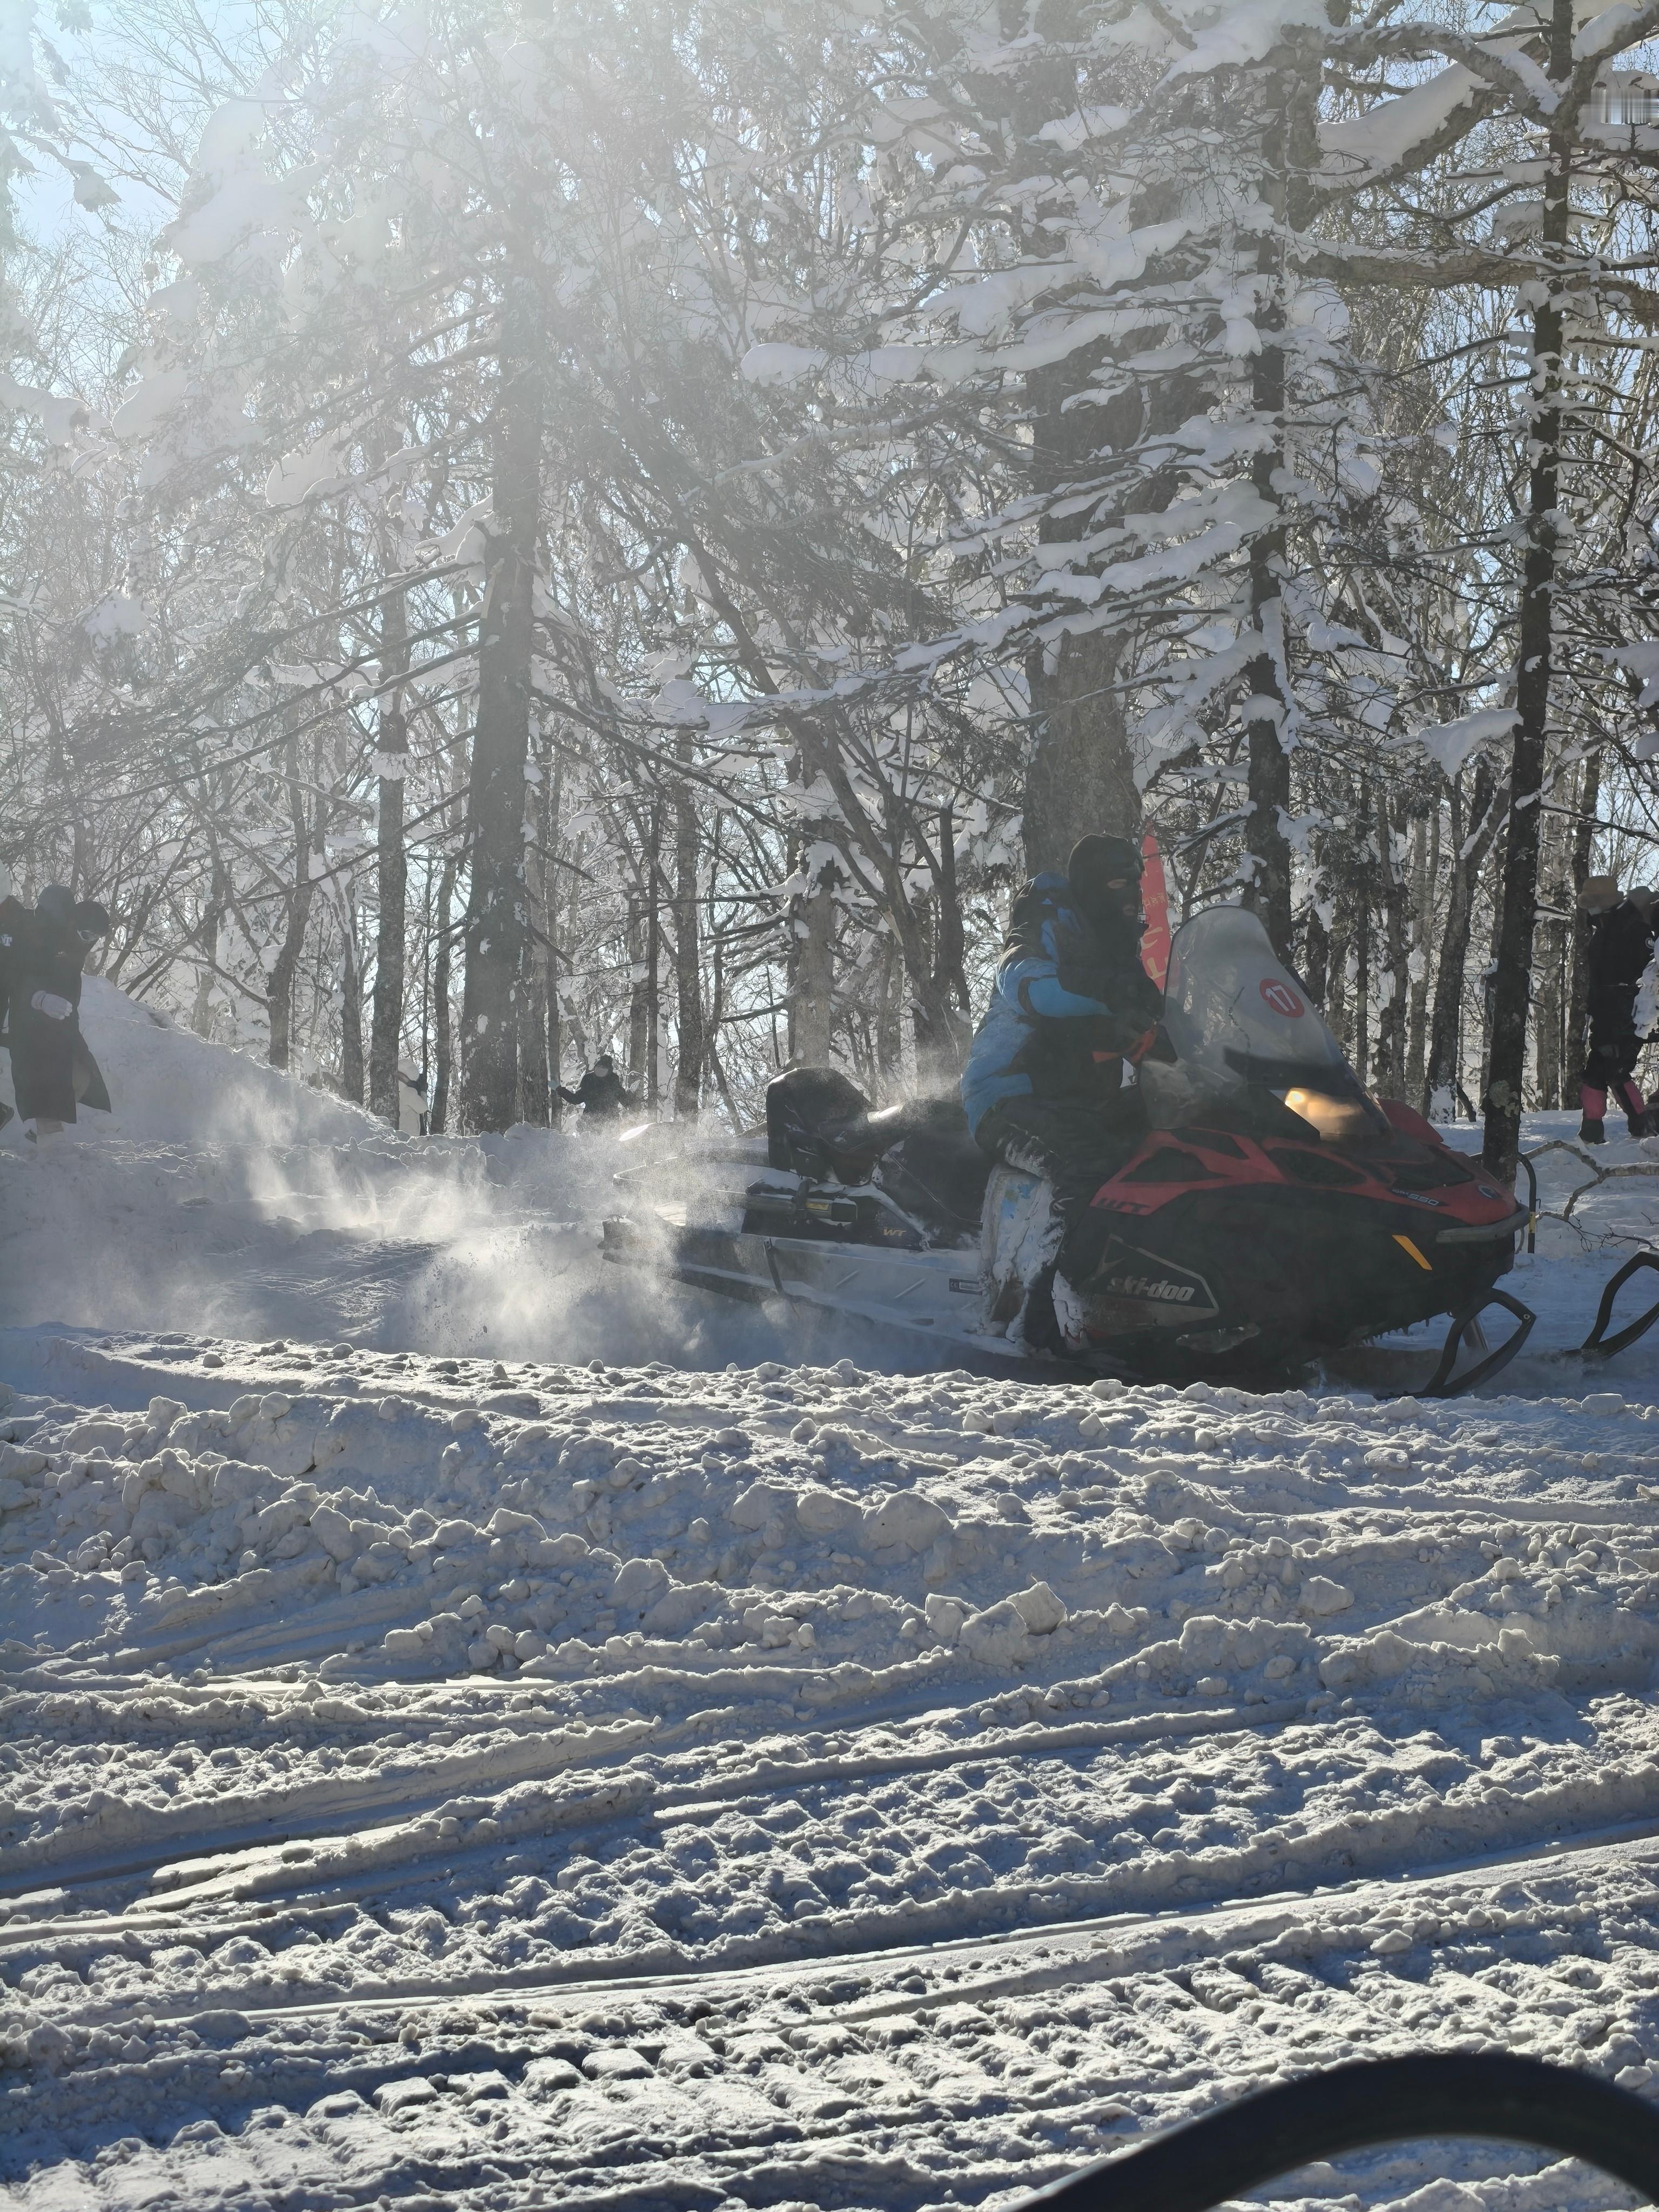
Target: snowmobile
1272	1213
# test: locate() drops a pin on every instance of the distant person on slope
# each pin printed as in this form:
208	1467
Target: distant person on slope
1622	937
1043	1088
53	1071
601	1093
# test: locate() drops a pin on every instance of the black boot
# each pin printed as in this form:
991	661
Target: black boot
1040	1325
1592	1132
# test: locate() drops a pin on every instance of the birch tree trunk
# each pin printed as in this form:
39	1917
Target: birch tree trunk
651	1096
351	1001
283	968
1552	960
392	869
1583	845
812	956
639	1020
1512	983
535	1092
1268	893
1391	1019
1425	875
687	980
1471	838
495	928
443	1046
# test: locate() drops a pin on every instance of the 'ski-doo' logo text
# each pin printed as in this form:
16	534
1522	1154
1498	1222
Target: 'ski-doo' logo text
1144	1286
1281	996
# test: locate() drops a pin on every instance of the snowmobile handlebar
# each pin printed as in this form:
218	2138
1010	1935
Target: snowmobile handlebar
1221	2155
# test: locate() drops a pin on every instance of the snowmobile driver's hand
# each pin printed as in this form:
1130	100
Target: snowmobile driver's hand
49	1003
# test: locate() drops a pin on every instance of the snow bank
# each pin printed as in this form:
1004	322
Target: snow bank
167	1084
223	1194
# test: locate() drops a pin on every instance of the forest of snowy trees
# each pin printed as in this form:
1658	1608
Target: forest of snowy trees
565	525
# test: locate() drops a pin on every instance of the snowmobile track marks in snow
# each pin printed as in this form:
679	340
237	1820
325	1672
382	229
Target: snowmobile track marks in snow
1065	1953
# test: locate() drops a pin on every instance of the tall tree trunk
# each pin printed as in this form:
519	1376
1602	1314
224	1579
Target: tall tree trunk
1391	1019
443	1051
688	979
1584	846
552	1026
1268	891
1080	776
201	1016
1471	840
280	991
495	798
535	1093
812	963
639	1017
351	1000
1339	1004
1512	984
1080	772
1425	875
1552	954
950	1030
653	1095
1315	969
1362	980
392	868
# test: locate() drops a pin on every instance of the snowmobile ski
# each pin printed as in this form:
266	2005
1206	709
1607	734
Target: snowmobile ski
1465	1331
1495	2097
1598	1344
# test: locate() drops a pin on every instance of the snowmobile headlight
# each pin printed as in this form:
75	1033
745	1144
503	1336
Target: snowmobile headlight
1335	1119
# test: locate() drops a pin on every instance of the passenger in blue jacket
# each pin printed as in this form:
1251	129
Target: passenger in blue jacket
1043	1088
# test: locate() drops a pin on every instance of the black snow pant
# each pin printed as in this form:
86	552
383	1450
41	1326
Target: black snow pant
1078	1145
1615	1049
53	1070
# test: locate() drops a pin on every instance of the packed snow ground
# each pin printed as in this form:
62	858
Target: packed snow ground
480	1732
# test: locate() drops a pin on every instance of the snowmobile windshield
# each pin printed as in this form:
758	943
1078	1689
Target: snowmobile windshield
1239	1023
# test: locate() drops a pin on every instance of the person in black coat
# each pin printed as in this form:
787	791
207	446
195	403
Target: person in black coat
1621	946
53	1070
13	916
601	1093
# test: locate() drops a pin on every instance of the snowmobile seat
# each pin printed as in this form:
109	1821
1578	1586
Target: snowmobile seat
930	1162
819	1125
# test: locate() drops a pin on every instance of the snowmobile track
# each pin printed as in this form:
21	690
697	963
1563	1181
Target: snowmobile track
192	1846
1066	1951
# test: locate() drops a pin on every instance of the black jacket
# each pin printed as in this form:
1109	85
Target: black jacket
1620	945
13	917
51	1067
600	1096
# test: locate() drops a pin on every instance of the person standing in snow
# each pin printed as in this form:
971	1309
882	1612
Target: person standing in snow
1621	935
53	1070
1044	1087
601	1093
